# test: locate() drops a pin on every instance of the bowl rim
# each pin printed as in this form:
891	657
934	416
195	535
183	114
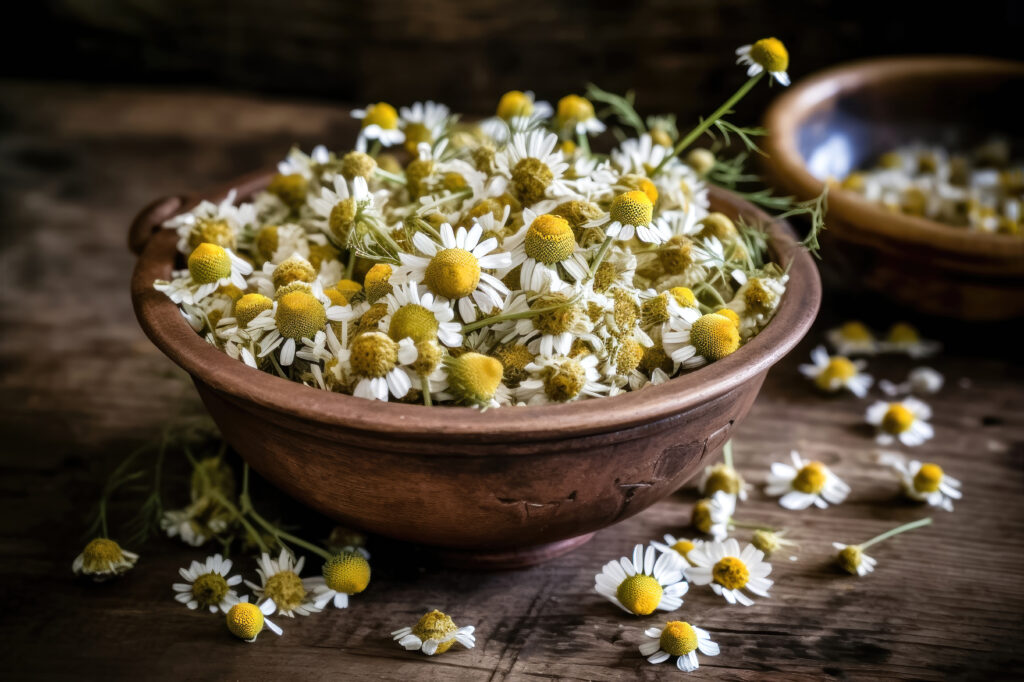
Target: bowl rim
813	93
167	329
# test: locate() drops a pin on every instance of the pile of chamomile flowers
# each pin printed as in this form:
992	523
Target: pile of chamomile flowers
494	263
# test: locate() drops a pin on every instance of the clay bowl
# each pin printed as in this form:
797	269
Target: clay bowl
842	118
503	488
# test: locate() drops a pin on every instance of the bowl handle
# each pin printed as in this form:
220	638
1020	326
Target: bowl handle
150	218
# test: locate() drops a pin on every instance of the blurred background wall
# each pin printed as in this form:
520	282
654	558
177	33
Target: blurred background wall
677	55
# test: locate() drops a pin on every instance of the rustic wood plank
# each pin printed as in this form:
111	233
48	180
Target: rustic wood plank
81	387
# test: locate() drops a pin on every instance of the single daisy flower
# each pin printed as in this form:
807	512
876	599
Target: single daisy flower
853	560
434	633
475	379
852	338
928	483
805	483
770	541
632	214
103	558
556	321
219	224
543	249
832	373
904	338
561	379
920	381
723	477
246	621
576	113
534	166
295	316
644	584
414	313
517	104
678	639
693	340
376	362
345	574
423	122
680	546
208	585
905	421
210	267
281	584
641	155
339	209
455	268
767	54
713	515
380	124
728	570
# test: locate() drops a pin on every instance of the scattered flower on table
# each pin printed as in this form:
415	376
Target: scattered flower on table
208	585
905	421
853	560
767	54
680	546
712	515
435	633
770	541
832	373
344	574
280	582
644	584
722	477
920	381
679	639
852	338
928	483
904	338
246	621
103	558
805	483
729	571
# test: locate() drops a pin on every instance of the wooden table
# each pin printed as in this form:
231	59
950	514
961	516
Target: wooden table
81	386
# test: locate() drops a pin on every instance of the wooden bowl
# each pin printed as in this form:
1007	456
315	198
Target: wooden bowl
502	488
835	121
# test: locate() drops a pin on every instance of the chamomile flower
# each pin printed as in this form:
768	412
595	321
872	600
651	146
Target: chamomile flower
640	155
103	558
852	338
693	340
805	483
375	361
543	249
560	379
219	224
339	210
904	338
414	312
516	104
208	585
680	546
210	267
380	124
632	214
679	639
905	421
475	379
770	541
246	621
644	584
294	317
722	477
853	560
712	515
928	483
306	165
423	122
832	373
434	633
576	114
534	167
345	574
281	584
456	268
767	54
557	320
180	523
921	381
729	571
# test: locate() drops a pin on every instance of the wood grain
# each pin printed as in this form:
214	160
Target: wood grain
81	386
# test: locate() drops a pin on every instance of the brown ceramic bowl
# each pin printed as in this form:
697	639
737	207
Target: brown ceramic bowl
840	119
502	488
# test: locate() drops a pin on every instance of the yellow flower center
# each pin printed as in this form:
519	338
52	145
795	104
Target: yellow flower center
700	160
573	108
267	241
838	369
927	478
549	239
683	547
514	103
662	137
438	626
413	321
377	282
855	331
357	164
530	178
514	358
245	620
563	318
731	314
294	269
564	381
655	358
714	336
701	516
348	572
381	114
717	225
897	419
474	377
639	593
209	589
854	182
685	298
286	589
605	276
416	174
428	357
632	208
628	357
577	212
209	263
373	354
678	638
452	273
902	332
676	254
765	540
654	310
213	231
758	298
368	320
849	558
624	310
249	306
299	315
771	54
723	477
290	189
811	478
100	553
414	134
342	217
730	573
639	182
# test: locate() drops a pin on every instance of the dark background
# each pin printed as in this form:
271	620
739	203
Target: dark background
677	55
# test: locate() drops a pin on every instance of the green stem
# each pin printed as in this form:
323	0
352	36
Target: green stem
514	316
103	517
701	286
237	513
351	265
247	508
425	388
601	253
896	531
375	148
727	453
710	120
583	142
391	177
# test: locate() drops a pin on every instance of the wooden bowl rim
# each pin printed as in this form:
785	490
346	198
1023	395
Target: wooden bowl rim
788	111
164	325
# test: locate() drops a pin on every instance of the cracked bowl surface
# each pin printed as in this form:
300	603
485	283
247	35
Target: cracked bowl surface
503	488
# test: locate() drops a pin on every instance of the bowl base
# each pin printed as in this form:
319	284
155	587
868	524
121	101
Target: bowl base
500	560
